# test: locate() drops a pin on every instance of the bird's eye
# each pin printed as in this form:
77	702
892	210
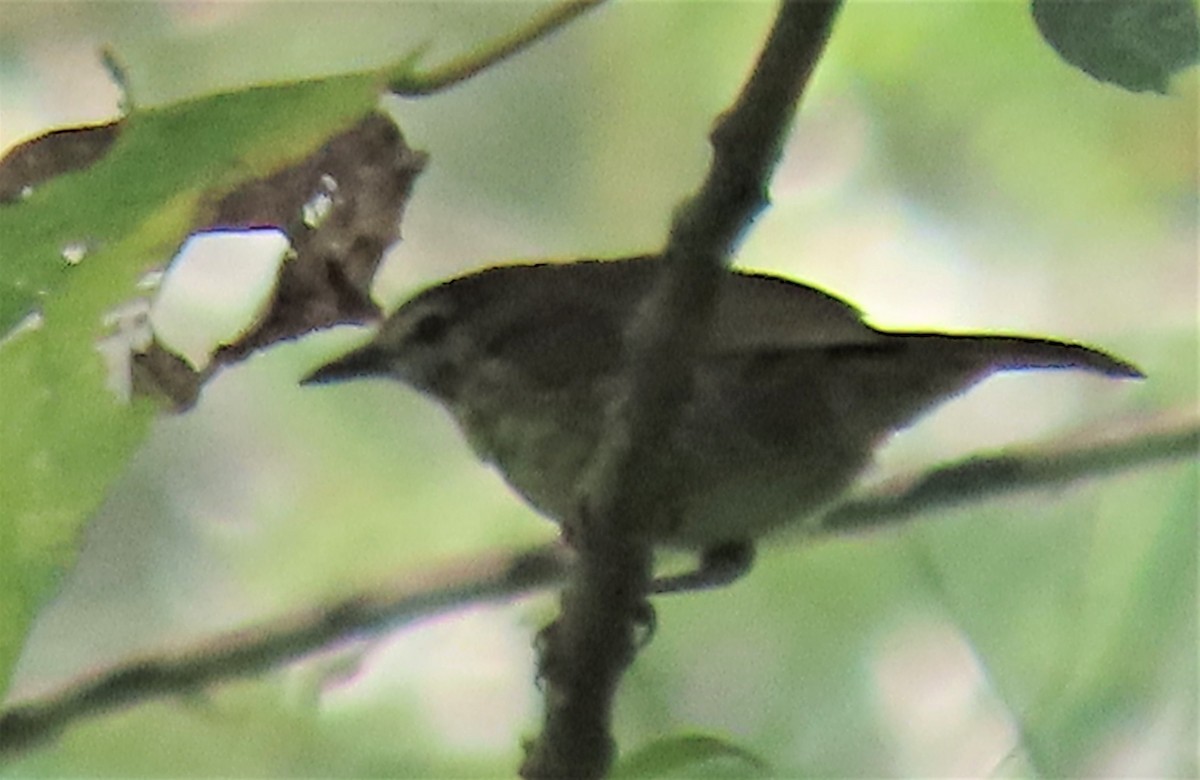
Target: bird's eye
430	328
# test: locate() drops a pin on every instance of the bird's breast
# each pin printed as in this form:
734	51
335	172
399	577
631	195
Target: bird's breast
748	456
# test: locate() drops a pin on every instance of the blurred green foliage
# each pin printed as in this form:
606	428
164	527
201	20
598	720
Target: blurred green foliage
944	154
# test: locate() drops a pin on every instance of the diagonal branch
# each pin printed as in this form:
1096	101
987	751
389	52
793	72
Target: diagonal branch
628	491
501	575
748	138
983	477
254	650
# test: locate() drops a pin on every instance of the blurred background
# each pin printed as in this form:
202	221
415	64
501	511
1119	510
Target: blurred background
947	171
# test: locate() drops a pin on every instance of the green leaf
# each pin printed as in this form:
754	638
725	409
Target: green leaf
64	436
1134	44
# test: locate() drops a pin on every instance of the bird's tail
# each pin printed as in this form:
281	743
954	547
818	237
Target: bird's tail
889	383
1005	353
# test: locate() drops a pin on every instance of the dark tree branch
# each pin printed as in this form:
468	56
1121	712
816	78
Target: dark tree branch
250	651
748	138
985	476
629	491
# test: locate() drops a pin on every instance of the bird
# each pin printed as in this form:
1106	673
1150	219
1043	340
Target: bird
792	391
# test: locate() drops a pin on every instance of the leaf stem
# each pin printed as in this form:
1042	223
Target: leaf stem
411	84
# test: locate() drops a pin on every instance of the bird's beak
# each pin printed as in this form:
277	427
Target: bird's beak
365	362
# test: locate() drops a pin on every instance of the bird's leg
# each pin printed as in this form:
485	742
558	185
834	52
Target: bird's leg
720	565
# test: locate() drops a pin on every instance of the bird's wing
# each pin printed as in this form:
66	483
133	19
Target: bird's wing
756	311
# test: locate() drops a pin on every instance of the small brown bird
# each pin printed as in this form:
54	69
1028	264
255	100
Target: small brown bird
792	391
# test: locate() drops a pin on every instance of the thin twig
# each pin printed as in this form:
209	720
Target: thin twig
456	71
501	575
254	650
629	488
984	476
